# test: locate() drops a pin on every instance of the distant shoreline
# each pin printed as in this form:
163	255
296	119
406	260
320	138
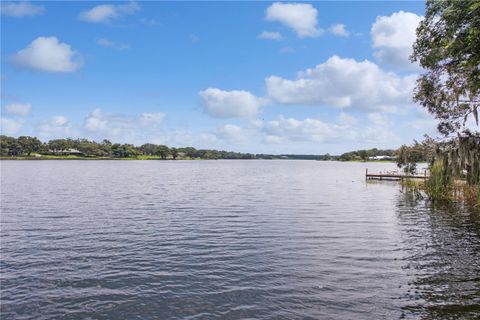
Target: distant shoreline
31	148
66	158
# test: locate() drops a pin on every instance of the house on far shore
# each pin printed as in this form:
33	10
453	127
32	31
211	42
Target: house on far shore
67	152
381	158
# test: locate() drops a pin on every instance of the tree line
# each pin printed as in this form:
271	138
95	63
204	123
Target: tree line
366	154
25	146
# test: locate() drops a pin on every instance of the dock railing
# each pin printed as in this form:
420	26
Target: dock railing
394	175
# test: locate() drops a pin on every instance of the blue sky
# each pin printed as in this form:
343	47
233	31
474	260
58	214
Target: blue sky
289	77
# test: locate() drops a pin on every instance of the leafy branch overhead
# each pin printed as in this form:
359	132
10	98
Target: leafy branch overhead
448	48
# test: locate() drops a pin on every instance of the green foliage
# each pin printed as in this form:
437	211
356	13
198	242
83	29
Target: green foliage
478	196
89	148
10	146
148	149
454	167
162	151
60	144
409	156
24	145
439	184
29	144
365	154
174	153
188	152
124	150
83	148
448	48
461	157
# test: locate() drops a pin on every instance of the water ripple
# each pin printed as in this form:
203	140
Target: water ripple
228	240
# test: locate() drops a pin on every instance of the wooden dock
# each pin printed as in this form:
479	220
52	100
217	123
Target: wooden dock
393	176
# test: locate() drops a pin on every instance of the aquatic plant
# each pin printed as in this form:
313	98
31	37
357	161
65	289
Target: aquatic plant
454	166
455	169
439	184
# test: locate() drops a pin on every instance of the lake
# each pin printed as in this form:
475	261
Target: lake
254	239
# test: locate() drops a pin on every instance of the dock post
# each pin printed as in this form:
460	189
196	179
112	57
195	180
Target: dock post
366	174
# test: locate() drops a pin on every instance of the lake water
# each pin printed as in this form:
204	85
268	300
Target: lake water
229	240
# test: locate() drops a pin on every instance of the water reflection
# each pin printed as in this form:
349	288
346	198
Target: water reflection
442	256
228	240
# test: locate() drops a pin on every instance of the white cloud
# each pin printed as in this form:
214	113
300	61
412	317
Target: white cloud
100	121
290	129
301	17
56	127
104	42
379	119
393	37
123	127
181	138
302	134
345	130
346	119
21	9
101	13
10	126
423	121
48	54
95	121
151	118
232	133
270	35
339	30
105	13
427	126
344	83
59	120
379	131
268	139
231	104
19	109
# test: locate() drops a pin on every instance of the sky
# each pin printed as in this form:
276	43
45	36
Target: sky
261	77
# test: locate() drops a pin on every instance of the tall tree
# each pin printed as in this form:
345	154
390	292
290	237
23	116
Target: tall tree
29	144
148	149
174	153
123	150
58	145
363	154
9	146
409	156
448	48
162	151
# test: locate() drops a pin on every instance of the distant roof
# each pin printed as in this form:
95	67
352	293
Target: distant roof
69	150
381	157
